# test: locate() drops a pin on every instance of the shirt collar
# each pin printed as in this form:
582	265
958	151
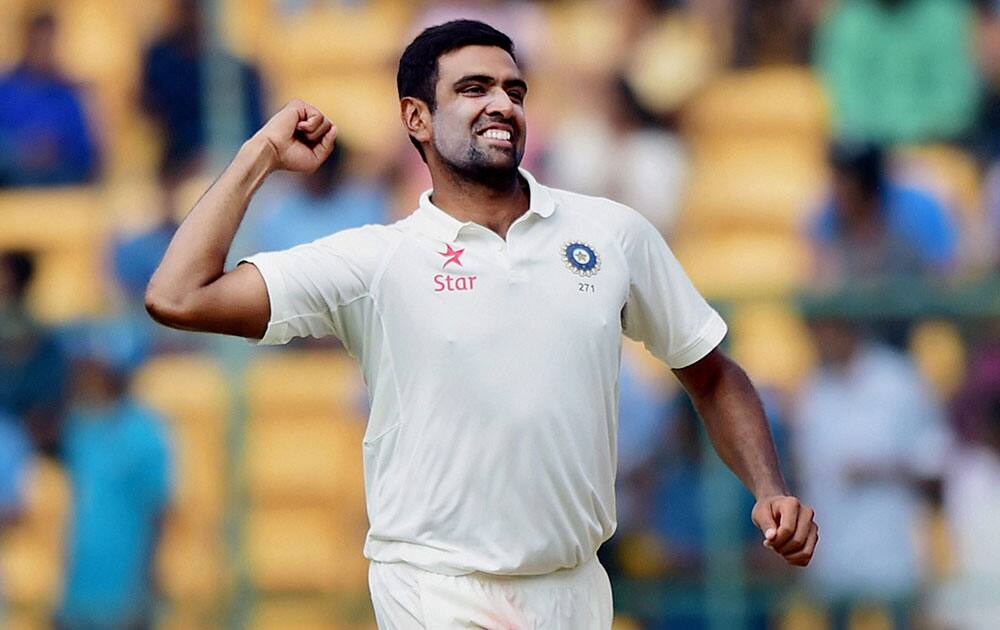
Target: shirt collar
440	225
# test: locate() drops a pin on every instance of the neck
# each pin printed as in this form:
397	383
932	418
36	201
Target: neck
493	204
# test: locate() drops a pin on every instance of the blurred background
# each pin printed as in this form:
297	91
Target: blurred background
826	170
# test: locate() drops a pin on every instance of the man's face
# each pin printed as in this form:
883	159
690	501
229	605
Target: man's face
478	126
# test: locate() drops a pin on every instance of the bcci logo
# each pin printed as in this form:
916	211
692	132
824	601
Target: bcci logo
581	259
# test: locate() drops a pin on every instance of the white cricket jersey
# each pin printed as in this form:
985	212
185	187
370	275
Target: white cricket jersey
492	368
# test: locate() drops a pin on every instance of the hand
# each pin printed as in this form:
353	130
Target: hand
300	136
788	526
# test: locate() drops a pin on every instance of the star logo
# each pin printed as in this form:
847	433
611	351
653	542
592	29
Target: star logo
452	256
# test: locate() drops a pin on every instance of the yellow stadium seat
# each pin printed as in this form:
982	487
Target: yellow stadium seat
753	183
363	104
623	622
772	343
31	552
312	614
66	229
305	550
939	352
178	616
583	36
745	264
803	616
305	461
329	36
200	473
28	218
25	619
302	384
777	101
48	497
184	387
190	564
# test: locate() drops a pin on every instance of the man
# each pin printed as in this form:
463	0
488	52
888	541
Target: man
871	444
117	456
45	138
488	324
871	227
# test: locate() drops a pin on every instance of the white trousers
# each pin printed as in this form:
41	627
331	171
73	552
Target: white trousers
408	598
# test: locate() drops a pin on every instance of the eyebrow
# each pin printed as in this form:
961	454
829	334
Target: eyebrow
484	78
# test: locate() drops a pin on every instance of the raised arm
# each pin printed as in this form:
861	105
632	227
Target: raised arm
190	289
728	404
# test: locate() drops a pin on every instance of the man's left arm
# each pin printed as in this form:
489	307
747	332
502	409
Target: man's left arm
734	416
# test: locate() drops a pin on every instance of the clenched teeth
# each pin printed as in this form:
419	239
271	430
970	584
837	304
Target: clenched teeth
496	134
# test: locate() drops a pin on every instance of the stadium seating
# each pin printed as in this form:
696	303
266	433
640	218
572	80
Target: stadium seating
312	614
737	265
305	550
772	343
304	461
771	102
305	519
939	352
308	383
753	183
69	282
192	393
31	552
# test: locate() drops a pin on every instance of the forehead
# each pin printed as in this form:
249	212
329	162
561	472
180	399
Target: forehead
483	60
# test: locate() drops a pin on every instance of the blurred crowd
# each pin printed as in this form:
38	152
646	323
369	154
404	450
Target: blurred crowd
864	133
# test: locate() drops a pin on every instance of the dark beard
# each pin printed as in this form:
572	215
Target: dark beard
475	169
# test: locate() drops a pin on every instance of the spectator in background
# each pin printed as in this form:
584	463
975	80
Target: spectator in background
32	362
45	139
986	139
869	438
772	32
872	228
133	257
173	90
321	203
117	457
899	71
972	499
651	159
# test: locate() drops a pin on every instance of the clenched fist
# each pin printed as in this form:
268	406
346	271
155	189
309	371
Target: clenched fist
300	137
788	527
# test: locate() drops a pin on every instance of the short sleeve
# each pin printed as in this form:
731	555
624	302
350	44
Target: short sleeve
310	285
664	311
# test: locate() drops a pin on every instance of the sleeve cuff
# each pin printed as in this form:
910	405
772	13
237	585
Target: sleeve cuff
710	337
275	286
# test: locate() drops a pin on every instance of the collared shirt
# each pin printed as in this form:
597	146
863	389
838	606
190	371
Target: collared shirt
877	413
492	367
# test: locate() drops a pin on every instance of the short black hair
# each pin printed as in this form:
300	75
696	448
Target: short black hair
418	66
862	161
20	264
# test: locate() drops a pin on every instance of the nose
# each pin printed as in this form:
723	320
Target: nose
501	104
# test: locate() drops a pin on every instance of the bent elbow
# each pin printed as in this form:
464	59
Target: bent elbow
162	309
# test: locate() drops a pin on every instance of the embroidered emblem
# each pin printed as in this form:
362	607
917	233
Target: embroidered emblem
581	259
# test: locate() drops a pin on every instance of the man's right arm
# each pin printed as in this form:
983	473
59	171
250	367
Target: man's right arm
190	289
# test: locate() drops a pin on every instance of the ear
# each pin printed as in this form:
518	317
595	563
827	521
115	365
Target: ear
417	117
